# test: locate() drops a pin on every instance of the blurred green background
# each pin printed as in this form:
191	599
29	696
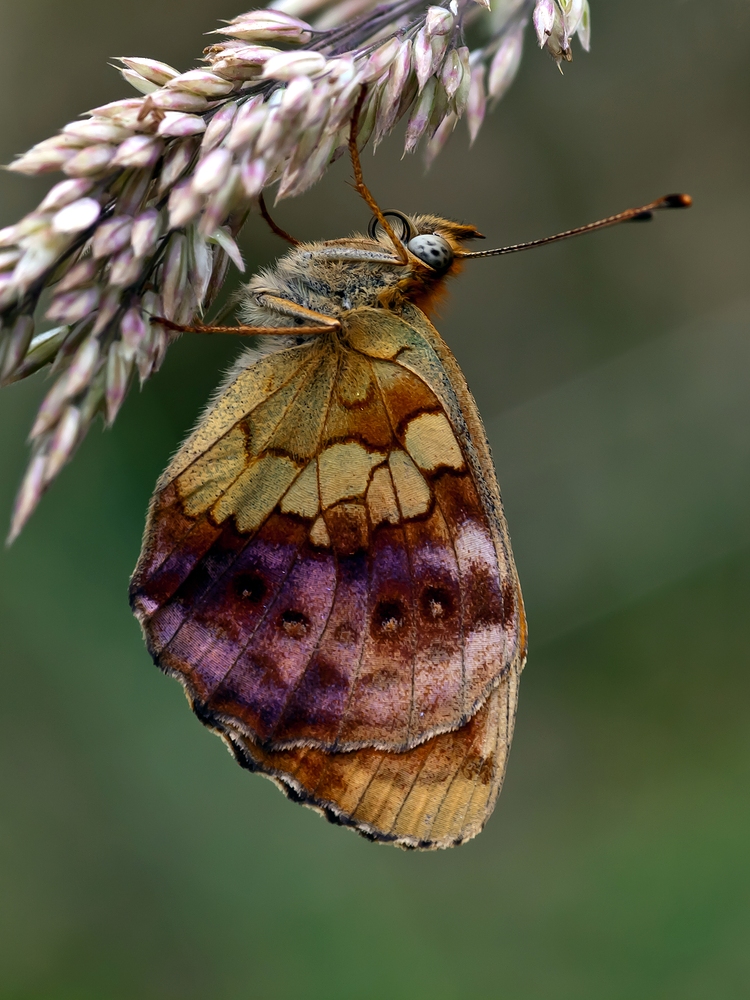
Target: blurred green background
136	860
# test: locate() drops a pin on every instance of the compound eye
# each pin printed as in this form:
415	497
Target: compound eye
432	250
401	225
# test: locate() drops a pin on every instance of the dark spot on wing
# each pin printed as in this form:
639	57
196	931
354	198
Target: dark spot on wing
436	604
388	617
295	624
251	587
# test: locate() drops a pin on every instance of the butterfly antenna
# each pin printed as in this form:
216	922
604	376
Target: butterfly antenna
274	227
359	180
642	214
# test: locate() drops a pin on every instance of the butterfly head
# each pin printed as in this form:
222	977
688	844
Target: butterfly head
434	242
435	247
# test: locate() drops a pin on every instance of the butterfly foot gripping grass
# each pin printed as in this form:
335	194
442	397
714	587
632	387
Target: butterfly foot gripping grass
326	565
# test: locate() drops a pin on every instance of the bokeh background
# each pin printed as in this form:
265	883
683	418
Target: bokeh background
136	860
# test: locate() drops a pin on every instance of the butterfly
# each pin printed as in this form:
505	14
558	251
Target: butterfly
326	566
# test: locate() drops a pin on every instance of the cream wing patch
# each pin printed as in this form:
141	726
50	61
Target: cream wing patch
381	500
253	496
319	534
344	471
430	441
303	498
412	489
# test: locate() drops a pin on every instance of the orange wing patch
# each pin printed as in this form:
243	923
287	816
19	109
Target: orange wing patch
326	570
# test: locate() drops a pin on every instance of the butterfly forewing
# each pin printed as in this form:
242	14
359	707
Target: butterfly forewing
326	563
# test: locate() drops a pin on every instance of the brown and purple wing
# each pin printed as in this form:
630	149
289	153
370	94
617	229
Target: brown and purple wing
326	563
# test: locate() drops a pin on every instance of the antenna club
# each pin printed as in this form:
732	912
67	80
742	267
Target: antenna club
677	201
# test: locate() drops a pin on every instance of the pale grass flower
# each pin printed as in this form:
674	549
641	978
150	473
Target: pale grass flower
158	186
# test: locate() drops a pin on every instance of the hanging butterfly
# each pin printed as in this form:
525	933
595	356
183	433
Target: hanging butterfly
326	565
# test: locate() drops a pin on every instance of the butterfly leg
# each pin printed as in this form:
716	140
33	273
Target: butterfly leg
248	331
272	225
243	331
359	181
288	308
313	322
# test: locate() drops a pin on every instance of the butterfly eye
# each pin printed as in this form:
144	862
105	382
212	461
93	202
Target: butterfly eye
432	250
402	226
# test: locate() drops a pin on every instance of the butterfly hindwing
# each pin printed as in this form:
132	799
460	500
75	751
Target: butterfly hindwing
437	795
326	563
